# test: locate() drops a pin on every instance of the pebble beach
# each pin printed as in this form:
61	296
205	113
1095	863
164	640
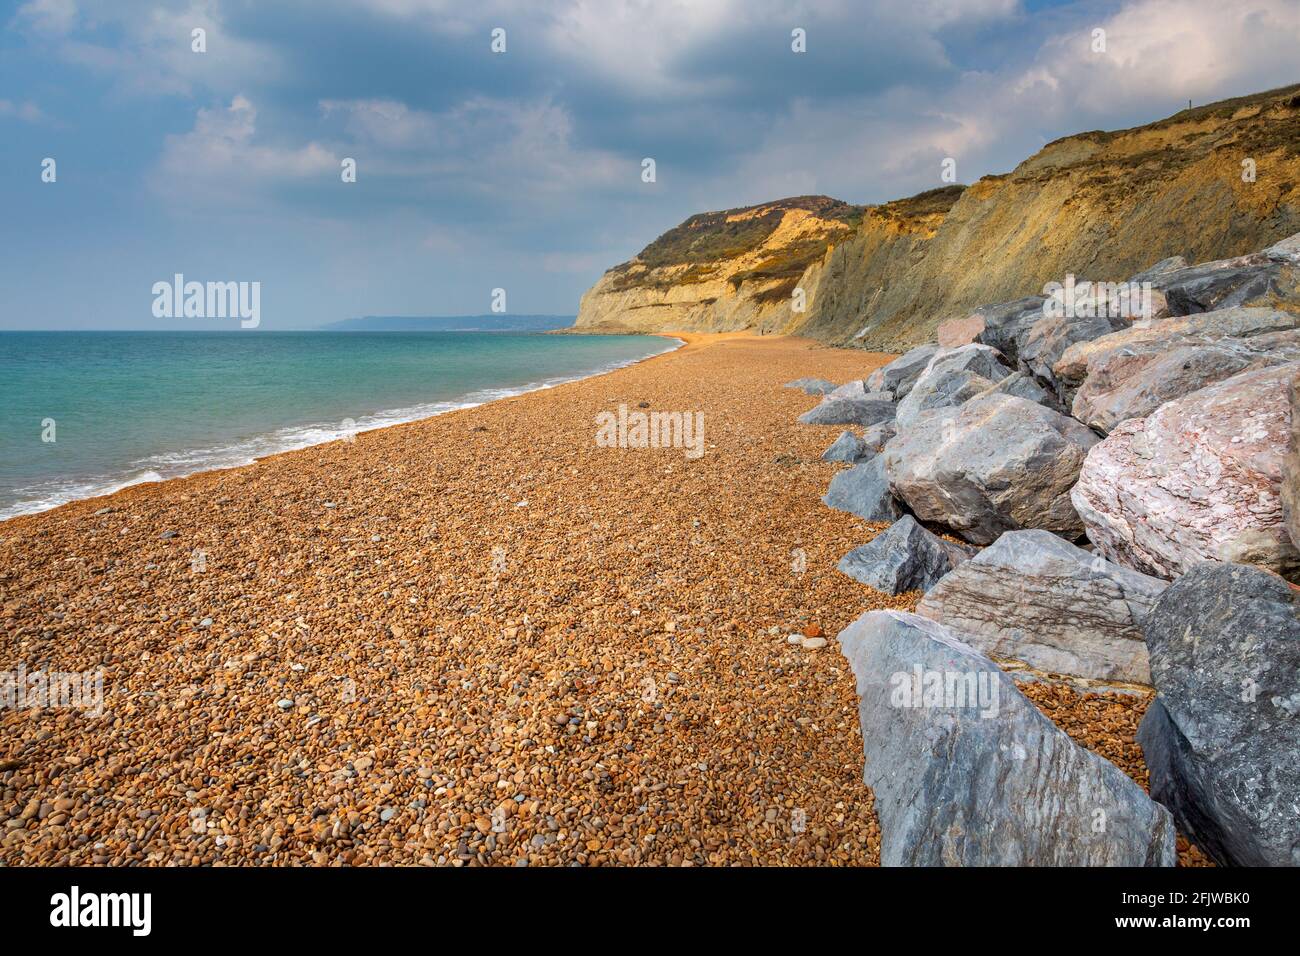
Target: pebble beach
476	639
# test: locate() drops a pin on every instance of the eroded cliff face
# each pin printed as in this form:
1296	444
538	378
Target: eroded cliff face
1097	205
721	271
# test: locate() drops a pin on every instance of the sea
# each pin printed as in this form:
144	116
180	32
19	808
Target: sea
87	413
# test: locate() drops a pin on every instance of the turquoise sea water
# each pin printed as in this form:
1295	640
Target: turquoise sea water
144	406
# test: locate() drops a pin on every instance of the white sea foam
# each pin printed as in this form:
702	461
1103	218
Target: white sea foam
50	494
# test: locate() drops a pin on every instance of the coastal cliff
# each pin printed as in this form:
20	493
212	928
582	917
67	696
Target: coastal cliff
721	271
1099	205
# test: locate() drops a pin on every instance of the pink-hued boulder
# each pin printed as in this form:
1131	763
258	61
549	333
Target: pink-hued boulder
1197	480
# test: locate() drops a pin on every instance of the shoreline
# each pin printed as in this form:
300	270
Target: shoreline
107	486
473	639
357	584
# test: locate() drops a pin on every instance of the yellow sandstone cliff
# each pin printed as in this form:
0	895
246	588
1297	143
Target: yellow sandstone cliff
1100	205
721	271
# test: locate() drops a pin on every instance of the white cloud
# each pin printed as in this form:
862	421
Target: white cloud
538	150
219	161
640	44
1167	51
143	48
1159	54
634	42
385	123
483	144
448	17
513	154
51	17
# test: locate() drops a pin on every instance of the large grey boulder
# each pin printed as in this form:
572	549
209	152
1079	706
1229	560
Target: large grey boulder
852	389
1034	597
953	376
849	411
1281	345
811	386
863	490
1037	339
1287	251
1255	279
1134	383
1023	385
966	771
1197	480
855	450
997	463
1003	324
1161	268
939	391
1084	359
1049	338
898	377
947	391
875	436
1222	739
981	359
849	448
904	557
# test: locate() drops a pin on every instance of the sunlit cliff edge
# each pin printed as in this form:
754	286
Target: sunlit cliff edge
1099	205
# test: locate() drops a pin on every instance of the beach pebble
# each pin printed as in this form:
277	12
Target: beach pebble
505	717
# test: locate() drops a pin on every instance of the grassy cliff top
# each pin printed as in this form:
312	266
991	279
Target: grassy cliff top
730	233
1287	97
932	202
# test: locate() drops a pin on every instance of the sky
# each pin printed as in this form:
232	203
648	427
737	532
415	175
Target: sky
522	170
